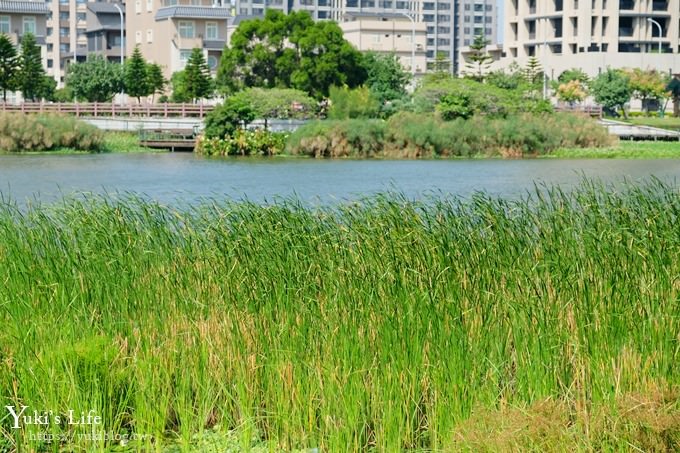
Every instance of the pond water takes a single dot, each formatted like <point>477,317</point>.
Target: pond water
<point>186,178</point>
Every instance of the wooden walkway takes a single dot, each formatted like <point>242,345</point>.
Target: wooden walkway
<point>174,140</point>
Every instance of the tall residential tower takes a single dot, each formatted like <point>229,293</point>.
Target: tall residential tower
<point>593,34</point>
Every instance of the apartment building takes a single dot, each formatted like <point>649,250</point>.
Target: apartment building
<point>449,24</point>
<point>593,34</point>
<point>390,34</point>
<point>104,32</point>
<point>166,31</point>
<point>20,17</point>
<point>65,35</point>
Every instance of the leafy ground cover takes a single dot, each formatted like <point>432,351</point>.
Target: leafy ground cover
<point>624,150</point>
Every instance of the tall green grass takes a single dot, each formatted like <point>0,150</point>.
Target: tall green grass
<point>549,323</point>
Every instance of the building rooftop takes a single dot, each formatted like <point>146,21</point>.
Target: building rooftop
<point>25,7</point>
<point>104,8</point>
<point>192,12</point>
<point>374,16</point>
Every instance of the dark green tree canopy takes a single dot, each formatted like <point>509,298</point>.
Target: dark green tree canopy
<point>289,51</point>
<point>135,76</point>
<point>154,78</point>
<point>386,77</point>
<point>95,80</point>
<point>197,81</point>
<point>9,66</point>
<point>31,75</point>
<point>612,89</point>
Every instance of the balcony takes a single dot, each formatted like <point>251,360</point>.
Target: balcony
<point>187,43</point>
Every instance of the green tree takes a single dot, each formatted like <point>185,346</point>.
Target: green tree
<point>31,74</point>
<point>479,60</point>
<point>386,77</point>
<point>95,80</point>
<point>673,88</point>
<point>511,78</point>
<point>48,88</point>
<point>135,76</point>
<point>278,102</point>
<point>9,66</point>
<point>179,87</point>
<point>226,118</point>
<point>573,74</point>
<point>154,79</point>
<point>647,85</point>
<point>289,51</point>
<point>197,81</point>
<point>612,90</point>
<point>352,103</point>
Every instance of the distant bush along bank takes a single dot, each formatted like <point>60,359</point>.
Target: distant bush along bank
<point>417,135</point>
<point>19,132</point>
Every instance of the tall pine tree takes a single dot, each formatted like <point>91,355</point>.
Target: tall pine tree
<point>135,77</point>
<point>479,60</point>
<point>9,66</point>
<point>197,80</point>
<point>32,74</point>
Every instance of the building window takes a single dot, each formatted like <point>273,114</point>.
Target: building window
<point>50,63</point>
<point>138,37</point>
<point>211,30</point>
<point>4,24</point>
<point>64,31</point>
<point>138,6</point>
<point>149,5</point>
<point>212,62</point>
<point>64,48</point>
<point>29,25</point>
<point>186,29</point>
<point>183,58</point>
<point>80,16</point>
<point>63,15</point>
<point>149,35</point>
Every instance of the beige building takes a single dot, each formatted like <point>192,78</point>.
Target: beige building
<point>388,33</point>
<point>65,35</point>
<point>20,17</point>
<point>166,31</point>
<point>593,34</point>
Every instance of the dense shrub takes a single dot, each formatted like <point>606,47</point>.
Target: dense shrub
<point>243,143</point>
<point>462,98</point>
<point>421,135</point>
<point>225,119</point>
<point>356,103</point>
<point>338,138</point>
<point>20,132</point>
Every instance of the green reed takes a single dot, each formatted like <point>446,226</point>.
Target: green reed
<point>385,324</point>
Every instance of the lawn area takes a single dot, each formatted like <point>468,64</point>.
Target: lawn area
<point>667,122</point>
<point>624,150</point>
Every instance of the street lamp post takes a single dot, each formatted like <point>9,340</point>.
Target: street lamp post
<point>122,35</point>
<point>649,19</point>
<point>413,43</point>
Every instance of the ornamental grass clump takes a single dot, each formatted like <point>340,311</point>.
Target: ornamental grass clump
<point>548,323</point>
<point>21,132</point>
<point>425,135</point>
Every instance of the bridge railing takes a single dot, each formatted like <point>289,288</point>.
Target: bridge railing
<point>592,110</point>
<point>98,109</point>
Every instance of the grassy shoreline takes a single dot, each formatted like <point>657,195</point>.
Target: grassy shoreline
<point>549,324</point>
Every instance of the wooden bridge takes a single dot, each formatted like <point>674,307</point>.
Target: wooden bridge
<point>97,109</point>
